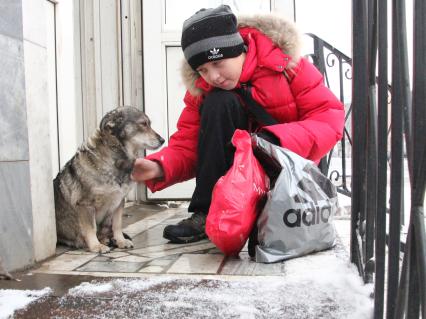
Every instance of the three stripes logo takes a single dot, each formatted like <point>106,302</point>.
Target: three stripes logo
<point>314,213</point>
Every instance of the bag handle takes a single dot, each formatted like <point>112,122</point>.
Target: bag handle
<point>254,108</point>
<point>270,165</point>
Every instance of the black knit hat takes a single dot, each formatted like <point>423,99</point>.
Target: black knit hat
<point>210,35</point>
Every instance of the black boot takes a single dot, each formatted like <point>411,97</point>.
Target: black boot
<point>189,230</point>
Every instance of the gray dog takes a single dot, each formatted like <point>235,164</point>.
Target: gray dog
<point>91,187</point>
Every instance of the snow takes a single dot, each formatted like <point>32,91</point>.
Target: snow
<point>320,285</point>
<point>316,286</point>
<point>334,277</point>
<point>12,300</point>
<point>90,289</point>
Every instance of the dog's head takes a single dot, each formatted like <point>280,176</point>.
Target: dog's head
<point>132,128</point>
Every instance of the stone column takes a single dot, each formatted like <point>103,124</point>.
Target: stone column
<point>27,224</point>
<point>16,231</point>
<point>37,105</point>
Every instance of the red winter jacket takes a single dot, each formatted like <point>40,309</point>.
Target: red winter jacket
<point>311,117</point>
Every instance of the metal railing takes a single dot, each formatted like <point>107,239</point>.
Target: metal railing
<point>405,293</point>
<point>371,156</point>
<point>330,60</point>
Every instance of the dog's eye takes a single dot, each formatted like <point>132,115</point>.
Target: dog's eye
<point>143,124</point>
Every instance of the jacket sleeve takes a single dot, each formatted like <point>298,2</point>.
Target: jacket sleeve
<point>178,159</point>
<point>321,115</point>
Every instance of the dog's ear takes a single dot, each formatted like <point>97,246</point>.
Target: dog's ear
<point>104,121</point>
<point>112,122</point>
<point>107,122</point>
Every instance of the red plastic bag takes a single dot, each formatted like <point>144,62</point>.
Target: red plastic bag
<point>236,198</point>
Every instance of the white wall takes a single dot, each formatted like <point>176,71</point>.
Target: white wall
<point>331,20</point>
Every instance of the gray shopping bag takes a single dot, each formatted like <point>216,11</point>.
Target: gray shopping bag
<point>298,215</point>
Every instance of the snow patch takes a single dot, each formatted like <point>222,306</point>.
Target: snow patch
<point>339,280</point>
<point>90,288</point>
<point>310,288</point>
<point>123,285</point>
<point>12,300</point>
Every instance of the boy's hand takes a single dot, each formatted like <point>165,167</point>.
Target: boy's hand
<point>144,170</point>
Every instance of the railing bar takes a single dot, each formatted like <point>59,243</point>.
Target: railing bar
<point>405,82</point>
<point>419,178</point>
<point>348,136</point>
<point>329,160</point>
<point>348,113</point>
<point>319,54</point>
<point>401,244</point>
<point>360,256</point>
<point>341,91</point>
<point>344,181</point>
<point>371,176</point>
<point>419,103</point>
<point>418,162</point>
<point>404,283</point>
<point>371,165</point>
<point>413,300</point>
<point>396,208</point>
<point>359,100</point>
<point>372,35</point>
<point>404,88</point>
<point>332,48</point>
<point>382,146</point>
<point>420,238</point>
<point>326,78</point>
<point>343,140</point>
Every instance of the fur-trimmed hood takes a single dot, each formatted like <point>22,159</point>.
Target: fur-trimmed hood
<point>281,31</point>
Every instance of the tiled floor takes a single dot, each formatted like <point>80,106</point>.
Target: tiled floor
<point>153,254</point>
<point>193,280</point>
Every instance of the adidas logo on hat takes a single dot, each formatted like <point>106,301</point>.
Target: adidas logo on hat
<point>215,54</point>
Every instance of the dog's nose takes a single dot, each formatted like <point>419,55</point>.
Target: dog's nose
<point>161,140</point>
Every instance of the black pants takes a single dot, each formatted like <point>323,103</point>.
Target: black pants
<point>221,114</point>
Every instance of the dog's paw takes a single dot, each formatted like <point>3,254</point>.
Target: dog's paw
<point>105,241</point>
<point>126,243</point>
<point>100,249</point>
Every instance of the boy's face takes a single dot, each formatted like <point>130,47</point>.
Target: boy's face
<point>223,74</point>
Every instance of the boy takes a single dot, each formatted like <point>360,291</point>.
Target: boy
<point>220,56</point>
